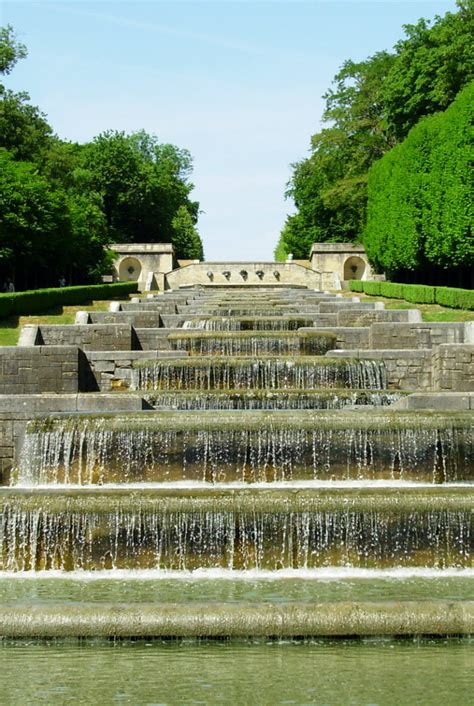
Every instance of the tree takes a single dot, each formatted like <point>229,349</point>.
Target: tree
<point>329,188</point>
<point>186,240</point>
<point>142,184</point>
<point>433,63</point>
<point>11,50</point>
<point>420,198</point>
<point>369,109</point>
<point>62,204</point>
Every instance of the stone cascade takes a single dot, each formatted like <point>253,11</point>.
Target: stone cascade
<point>239,435</point>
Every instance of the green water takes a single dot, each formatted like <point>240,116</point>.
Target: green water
<point>241,673</point>
<point>126,589</point>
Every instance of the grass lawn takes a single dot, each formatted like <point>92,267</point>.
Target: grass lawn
<point>429,312</point>
<point>11,326</point>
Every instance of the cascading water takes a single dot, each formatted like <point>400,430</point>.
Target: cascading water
<point>282,446</point>
<point>264,373</point>
<point>276,399</point>
<point>250,464</point>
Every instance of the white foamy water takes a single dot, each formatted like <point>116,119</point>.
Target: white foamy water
<point>329,573</point>
<point>271,485</point>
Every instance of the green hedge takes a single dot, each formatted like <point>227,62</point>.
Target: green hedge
<point>417,293</point>
<point>391,290</point>
<point>455,298</point>
<point>34,301</point>
<point>372,288</point>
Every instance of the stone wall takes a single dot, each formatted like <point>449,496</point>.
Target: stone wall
<point>39,369</point>
<point>406,369</point>
<point>416,335</point>
<point>350,337</point>
<point>112,370</point>
<point>99,337</point>
<point>16,411</point>
<point>453,367</point>
<point>139,318</point>
<point>275,274</point>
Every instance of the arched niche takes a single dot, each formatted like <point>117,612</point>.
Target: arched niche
<point>354,267</point>
<point>130,269</point>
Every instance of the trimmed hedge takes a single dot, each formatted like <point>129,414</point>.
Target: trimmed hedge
<point>34,301</point>
<point>391,290</point>
<point>372,288</point>
<point>455,298</point>
<point>417,293</point>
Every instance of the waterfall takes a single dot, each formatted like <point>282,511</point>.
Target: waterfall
<point>39,539</point>
<point>265,373</point>
<point>318,447</point>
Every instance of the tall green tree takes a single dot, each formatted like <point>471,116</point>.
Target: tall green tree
<point>433,62</point>
<point>420,198</point>
<point>369,109</point>
<point>186,240</point>
<point>142,184</point>
<point>329,188</point>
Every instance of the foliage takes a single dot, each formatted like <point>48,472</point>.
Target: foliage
<point>62,204</point>
<point>37,219</point>
<point>186,240</point>
<point>370,107</point>
<point>455,298</point>
<point>295,238</point>
<point>10,49</point>
<point>433,63</point>
<point>31,302</point>
<point>391,290</point>
<point>417,293</point>
<point>141,182</point>
<point>329,187</point>
<point>419,209</point>
<point>372,288</point>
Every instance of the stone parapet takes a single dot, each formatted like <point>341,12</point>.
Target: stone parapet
<point>453,367</point>
<point>112,370</point>
<point>16,411</point>
<point>85,336</point>
<point>349,337</point>
<point>140,318</point>
<point>415,335</point>
<point>443,401</point>
<point>37,369</point>
<point>406,369</point>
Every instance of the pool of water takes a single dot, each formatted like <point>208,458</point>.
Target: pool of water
<point>321,585</point>
<point>325,673</point>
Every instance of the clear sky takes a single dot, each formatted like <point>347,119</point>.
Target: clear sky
<point>239,84</point>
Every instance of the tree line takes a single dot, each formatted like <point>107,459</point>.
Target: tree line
<point>63,203</point>
<point>370,109</point>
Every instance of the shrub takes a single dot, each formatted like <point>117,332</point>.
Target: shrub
<point>372,288</point>
<point>455,298</point>
<point>419,293</point>
<point>391,290</point>
<point>34,301</point>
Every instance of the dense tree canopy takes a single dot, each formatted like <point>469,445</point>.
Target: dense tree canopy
<point>420,196</point>
<point>62,204</point>
<point>369,109</point>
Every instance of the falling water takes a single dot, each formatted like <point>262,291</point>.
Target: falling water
<point>146,539</point>
<point>176,446</point>
<point>264,373</point>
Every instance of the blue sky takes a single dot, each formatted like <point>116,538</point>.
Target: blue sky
<point>239,84</point>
